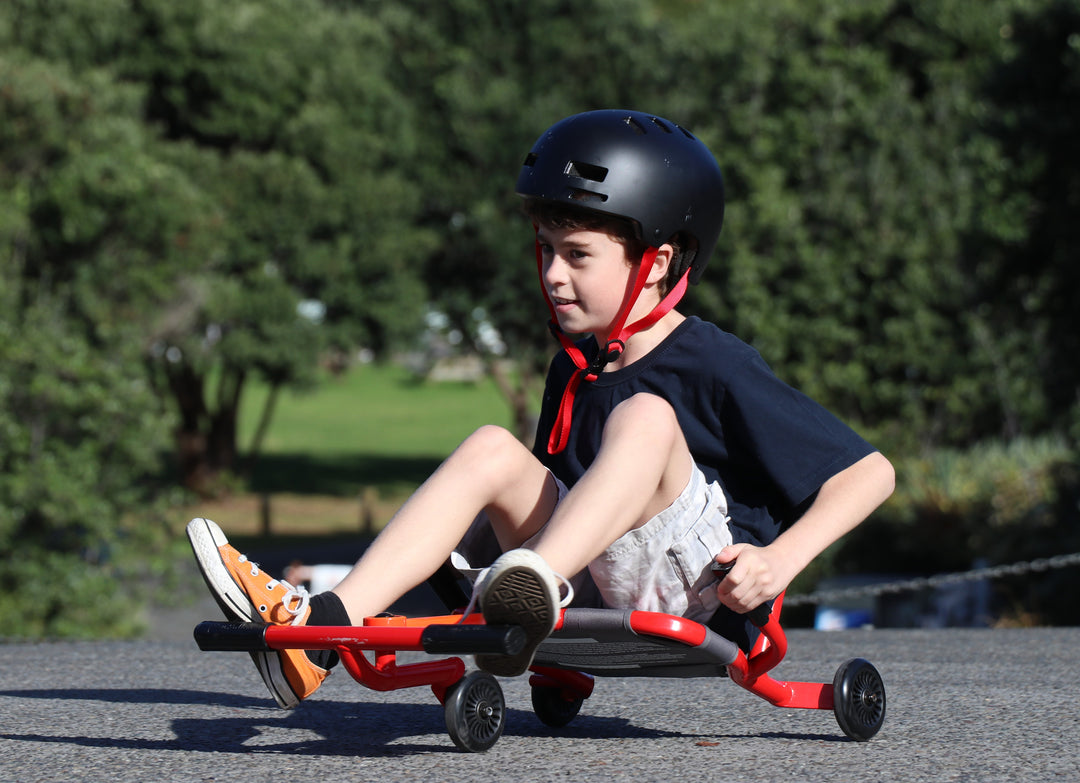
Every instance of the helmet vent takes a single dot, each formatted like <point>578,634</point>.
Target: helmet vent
<point>659,123</point>
<point>530,159</point>
<point>577,194</point>
<point>589,171</point>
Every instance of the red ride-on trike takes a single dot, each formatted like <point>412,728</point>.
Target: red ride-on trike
<point>585,643</point>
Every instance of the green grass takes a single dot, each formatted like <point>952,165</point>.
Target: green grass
<point>374,426</point>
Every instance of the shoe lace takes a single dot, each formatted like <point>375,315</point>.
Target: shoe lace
<point>296,598</point>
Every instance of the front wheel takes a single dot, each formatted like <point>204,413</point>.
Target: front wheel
<point>859,699</point>
<point>475,712</point>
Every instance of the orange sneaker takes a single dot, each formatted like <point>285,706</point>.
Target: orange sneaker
<point>245,593</point>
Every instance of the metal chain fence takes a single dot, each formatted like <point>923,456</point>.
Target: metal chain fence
<point>938,580</point>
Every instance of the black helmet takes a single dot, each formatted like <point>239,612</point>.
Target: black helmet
<point>637,166</point>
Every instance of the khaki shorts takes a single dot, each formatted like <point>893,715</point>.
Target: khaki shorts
<point>662,566</point>
<point>665,565</point>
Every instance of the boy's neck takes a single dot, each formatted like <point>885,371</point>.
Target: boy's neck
<point>639,344</point>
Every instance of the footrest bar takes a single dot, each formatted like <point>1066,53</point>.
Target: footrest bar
<point>473,639</point>
<point>223,636</point>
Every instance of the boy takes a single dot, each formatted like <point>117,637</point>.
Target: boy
<point>663,445</point>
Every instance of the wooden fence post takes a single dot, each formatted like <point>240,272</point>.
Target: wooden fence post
<point>264,514</point>
<point>369,499</point>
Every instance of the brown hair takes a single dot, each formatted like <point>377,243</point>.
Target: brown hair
<point>622,230</point>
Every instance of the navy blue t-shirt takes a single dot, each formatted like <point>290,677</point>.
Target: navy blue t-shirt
<point>769,446</point>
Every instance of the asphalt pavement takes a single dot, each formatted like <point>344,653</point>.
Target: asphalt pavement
<point>963,705</point>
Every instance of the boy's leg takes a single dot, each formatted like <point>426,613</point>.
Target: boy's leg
<point>642,467</point>
<point>491,470</point>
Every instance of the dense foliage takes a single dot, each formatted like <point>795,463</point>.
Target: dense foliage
<point>194,195</point>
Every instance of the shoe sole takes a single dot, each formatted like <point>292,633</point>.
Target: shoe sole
<point>517,597</point>
<point>205,538</point>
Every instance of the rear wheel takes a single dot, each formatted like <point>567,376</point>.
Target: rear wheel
<point>552,707</point>
<point>475,712</point>
<point>859,699</point>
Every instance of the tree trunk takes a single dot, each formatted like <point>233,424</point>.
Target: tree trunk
<point>260,431</point>
<point>205,439</point>
<point>517,394</point>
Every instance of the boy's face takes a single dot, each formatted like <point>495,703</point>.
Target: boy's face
<point>587,276</point>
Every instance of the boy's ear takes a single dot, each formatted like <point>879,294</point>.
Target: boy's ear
<point>665,256</point>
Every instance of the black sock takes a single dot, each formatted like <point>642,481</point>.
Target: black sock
<point>326,609</point>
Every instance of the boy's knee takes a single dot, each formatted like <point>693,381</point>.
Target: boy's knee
<point>493,445</point>
<point>492,459</point>
<point>493,435</point>
<point>490,437</point>
<point>644,415</point>
<point>644,405</point>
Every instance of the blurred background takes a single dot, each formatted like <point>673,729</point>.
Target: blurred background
<point>262,261</point>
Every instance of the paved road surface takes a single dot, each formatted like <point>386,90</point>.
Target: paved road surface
<point>963,705</point>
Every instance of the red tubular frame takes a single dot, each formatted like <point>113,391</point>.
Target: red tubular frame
<point>667,626</point>
<point>750,671</point>
<point>747,671</point>
<point>573,685</point>
<point>384,637</point>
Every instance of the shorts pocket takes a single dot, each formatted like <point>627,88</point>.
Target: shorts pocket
<point>692,557</point>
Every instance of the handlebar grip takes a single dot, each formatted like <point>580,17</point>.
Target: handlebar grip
<point>759,615</point>
<point>722,568</point>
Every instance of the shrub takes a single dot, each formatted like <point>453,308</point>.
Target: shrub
<point>994,503</point>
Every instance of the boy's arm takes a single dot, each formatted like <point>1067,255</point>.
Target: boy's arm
<point>843,501</point>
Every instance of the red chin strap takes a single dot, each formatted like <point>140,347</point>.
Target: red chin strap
<point>613,346</point>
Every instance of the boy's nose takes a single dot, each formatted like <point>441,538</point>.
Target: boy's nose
<point>555,270</point>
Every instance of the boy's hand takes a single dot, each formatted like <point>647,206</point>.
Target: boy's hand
<point>762,573</point>
<point>757,577</point>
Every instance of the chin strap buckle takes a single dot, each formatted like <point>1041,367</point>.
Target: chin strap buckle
<point>609,353</point>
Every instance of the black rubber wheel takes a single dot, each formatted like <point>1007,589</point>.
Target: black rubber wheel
<point>859,699</point>
<point>475,712</point>
<point>552,707</point>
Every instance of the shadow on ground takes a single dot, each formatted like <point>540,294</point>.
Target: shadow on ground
<point>316,728</point>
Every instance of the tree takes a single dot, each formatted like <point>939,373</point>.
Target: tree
<point>92,223</point>
<point>1023,256</point>
<point>845,133</point>
<point>848,135</point>
<point>124,248</point>
<point>299,151</point>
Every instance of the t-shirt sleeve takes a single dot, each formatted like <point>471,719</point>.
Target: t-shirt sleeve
<point>794,441</point>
